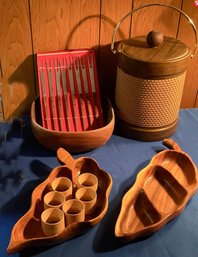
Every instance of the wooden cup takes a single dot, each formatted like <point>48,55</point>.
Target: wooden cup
<point>63,185</point>
<point>88,196</point>
<point>74,211</point>
<point>53,199</point>
<point>52,221</point>
<point>88,180</point>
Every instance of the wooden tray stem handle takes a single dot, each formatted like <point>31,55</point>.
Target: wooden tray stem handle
<point>65,158</point>
<point>171,144</point>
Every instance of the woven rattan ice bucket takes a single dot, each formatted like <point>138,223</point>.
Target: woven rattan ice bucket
<point>149,84</point>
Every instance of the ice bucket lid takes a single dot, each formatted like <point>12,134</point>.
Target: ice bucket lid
<point>168,59</point>
<point>140,59</point>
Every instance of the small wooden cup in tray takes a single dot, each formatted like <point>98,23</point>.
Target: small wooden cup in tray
<point>160,193</point>
<point>27,232</point>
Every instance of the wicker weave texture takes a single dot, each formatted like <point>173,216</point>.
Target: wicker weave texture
<point>148,103</point>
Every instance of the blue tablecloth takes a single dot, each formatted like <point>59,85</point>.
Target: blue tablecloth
<point>24,164</point>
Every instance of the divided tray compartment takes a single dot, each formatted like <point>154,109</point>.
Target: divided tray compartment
<point>69,90</point>
<point>27,232</point>
<point>160,193</point>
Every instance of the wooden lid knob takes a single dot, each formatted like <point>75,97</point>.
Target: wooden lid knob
<point>154,38</point>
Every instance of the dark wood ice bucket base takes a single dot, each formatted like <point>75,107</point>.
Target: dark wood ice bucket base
<point>144,134</point>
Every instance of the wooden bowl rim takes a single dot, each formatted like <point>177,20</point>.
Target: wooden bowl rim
<point>110,121</point>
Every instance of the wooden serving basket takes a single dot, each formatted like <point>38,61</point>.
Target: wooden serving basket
<point>73,141</point>
<point>160,193</point>
<point>27,232</point>
<point>69,112</point>
<point>150,78</point>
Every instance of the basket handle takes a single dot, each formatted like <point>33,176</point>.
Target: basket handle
<point>147,5</point>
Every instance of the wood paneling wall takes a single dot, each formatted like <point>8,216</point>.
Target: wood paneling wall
<point>17,69</point>
<point>28,27</point>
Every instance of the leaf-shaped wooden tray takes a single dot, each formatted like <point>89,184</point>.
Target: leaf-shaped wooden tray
<point>28,232</point>
<point>161,192</point>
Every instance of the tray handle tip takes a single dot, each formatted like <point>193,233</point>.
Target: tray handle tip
<point>171,144</point>
<point>65,157</point>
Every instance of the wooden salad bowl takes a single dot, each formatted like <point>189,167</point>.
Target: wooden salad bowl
<point>27,232</point>
<point>160,193</point>
<point>77,141</point>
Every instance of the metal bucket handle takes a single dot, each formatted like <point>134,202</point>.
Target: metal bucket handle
<point>163,5</point>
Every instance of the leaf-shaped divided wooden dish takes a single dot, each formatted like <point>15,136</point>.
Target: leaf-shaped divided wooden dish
<point>160,193</point>
<point>28,232</point>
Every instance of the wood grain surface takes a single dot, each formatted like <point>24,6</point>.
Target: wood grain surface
<point>186,34</point>
<point>110,16</point>
<point>155,18</point>
<point>27,232</point>
<point>196,100</point>
<point>60,25</point>
<point>16,57</point>
<point>74,142</point>
<point>32,26</point>
<point>159,194</point>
